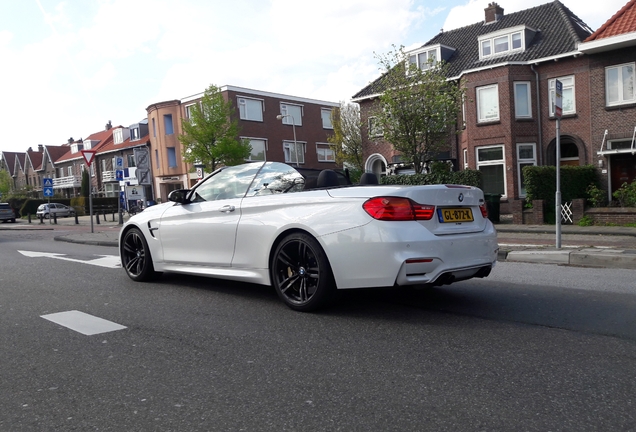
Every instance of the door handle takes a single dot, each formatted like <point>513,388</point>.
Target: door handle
<point>227,209</point>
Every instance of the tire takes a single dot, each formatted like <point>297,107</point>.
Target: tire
<point>301,273</point>
<point>135,257</point>
<point>46,215</point>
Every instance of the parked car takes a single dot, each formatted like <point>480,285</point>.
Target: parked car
<point>6,213</point>
<point>57,209</point>
<point>264,223</point>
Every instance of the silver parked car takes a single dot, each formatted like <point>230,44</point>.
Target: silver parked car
<point>57,209</point>
<point>6,213</point>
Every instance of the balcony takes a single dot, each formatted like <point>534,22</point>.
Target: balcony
<point>109,176</point>
<point>67,182</point>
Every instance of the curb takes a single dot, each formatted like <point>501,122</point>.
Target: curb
<point>589,257</point>
<point>108,243</point>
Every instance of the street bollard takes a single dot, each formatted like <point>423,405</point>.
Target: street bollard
<point>41,218</point>
<point>113,217</point>
<point>76,220</point>
<point>29,217</point>
<point>97,218</point>
<point>54,218</point>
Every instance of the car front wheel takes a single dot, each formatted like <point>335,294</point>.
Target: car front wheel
<point>301,273</point>
<point>136,258</point>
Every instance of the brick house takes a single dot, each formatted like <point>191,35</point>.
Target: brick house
<point>508,65</point>
<point>612,53</point>
<point>305,127</point>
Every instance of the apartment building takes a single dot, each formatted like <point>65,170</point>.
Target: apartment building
<point>298,137</point>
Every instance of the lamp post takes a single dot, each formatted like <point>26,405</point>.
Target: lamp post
<point>280,117</point>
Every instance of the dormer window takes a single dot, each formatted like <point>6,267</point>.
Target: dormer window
<point>134,133</point>
<point>504,42</point>
<point>118,136</point>
<point>428,57</point>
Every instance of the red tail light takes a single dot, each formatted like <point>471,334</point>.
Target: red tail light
<point>397,209</point>
<point>484,210</point>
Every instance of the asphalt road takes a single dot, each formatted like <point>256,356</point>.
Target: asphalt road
<point>532,347</point>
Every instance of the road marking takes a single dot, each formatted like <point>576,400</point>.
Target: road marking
<point>108,261</point>
<point>83,323</point>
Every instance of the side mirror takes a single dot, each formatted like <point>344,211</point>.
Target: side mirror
<point>179,196</point>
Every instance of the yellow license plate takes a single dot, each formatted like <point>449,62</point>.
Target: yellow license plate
<point>455,215</point>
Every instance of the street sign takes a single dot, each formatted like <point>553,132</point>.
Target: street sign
<point>558,98</point>
<point>119,175</point>
<point>47,188</point>
<point>89,155</point>
<point>199,173</point>
<point>143,176</point>
<point>119,162</point>
<point>142,160</point>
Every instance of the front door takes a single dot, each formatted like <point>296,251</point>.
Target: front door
<point>623,170</point>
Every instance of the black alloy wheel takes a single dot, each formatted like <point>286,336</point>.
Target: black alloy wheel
<point>301,273</point>
<point>135,256</point>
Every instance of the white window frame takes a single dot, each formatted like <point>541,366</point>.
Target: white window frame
<point>621,85</point>
<point>70,171</point>
<point>188,111</point>
<point>481,118</point>
<point>244,112</point>
<point>325,115</point>
<point>509,35</point>
<point>528,105</point>
<point>300,151</point>
<point>252,140</point>
<point>324,151</point>
<point>501,162</point>
<point>524,161</point>
<point>285,107</point>
<point>422,56</point>
<point>568,84</point>
<point>465,153</point>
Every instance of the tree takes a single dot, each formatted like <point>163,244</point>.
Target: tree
<point>211,135</point>
<point>417,111</point>
<point>346,140</point>
<point>5,183</point>
<point>86,184</point>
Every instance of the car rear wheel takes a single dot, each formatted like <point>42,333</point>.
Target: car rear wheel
<point>136,258</point>
<point>301,273</point>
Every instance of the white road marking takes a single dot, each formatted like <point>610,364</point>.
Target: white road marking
<point>108,261</point>
<point>83,323</point>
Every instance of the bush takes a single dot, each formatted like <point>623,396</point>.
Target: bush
<point>465,177</point>
<point>595,196</point>
<point>626,195</point>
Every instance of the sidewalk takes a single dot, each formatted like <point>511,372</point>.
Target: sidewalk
<point>513,241</point>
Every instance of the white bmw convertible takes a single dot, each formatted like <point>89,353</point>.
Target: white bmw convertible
<point>308,234</point>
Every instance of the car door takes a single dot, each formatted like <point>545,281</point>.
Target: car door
<point>202,232</point>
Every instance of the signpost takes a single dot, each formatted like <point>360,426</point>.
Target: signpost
<point>89,155</point>
<point>47,190</point>
<point>558,102</point>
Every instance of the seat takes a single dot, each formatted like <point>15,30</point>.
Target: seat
<point>368,178</point>
<point>327,178</point>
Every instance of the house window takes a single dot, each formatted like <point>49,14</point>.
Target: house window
<point>154,128</point>
<point>70,171</point>
<point>294,155</point>
<point>295,111</point>
<point>501,43</point>
<point>568,104</point>
<point>258,149</point>
<point>131,160</point>
<point>92,167</point>
<point>325,153</point>
<point>465,158</point>
<point>157,158</point>
<point>491,162</point>
<point>526,156</point>
<point>424,59</point>
<point>61,172</point>
<point>188,111</point>
<point>325,113</point>
<point>167,124</point>
<point>487,103</point>
<point>250,109</point>
<point>118,136</point>
<point>104,166</point>
<point>523,104</point>
<point>375,130</point>
<point>619,84</point>
<point>172,157</point>
<point>134,134</point>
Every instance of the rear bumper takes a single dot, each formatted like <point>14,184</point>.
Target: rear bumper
<point>385,254</point>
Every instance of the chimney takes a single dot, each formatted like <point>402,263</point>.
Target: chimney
<point>109,125</point>
<point>494,12</point>
<point>70,140</point>
<point>40,148</point>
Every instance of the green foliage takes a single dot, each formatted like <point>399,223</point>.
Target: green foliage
<point>465,177</point>
<point>626,195</point>
<point>540,182</point>
<point>417,111</point>
<point>211,134</point>
<point>346,141</point>
<point>586,221</point>
<point>86,184</point>
<point>595,196</point>
<point>5,184</point>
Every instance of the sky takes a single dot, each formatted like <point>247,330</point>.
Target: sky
<point>69,67</point>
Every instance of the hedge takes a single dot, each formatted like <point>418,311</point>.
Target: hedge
<point>465,177</point>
